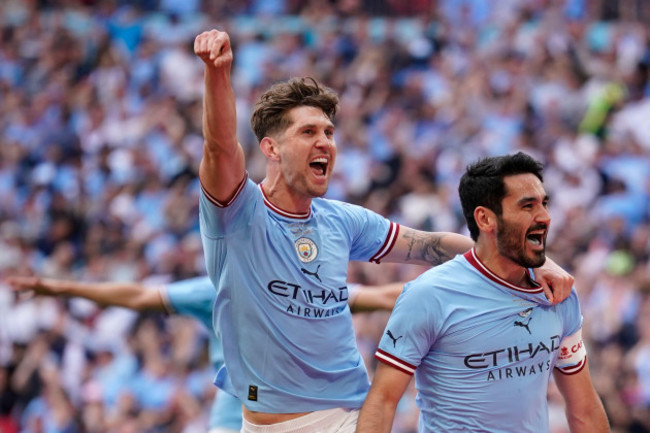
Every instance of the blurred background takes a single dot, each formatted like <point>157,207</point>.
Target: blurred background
<point>100,137</point>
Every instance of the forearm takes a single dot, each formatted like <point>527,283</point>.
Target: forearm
<point>428,248</point>
<point>584,409</point>
<point>376,416</point>
<point>373,298</point>
<point>128,295</point>
<point>378,410</point>
<point>593,420</point>
<point>219,114</point>
<point>454,244</point>
<point>589,425</point>
<point>22,374</point>
<point>61,410</point>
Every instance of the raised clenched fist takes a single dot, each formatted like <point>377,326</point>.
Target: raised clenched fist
<point>213,47</point>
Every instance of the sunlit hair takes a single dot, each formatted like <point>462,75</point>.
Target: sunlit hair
<point>270,115</point>
<point>483,184</point>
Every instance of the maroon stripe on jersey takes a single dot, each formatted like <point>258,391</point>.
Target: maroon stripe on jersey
<point>389,243</point>
<point>395,362</point>
<point>575,369</point>
<point>473,260</point>
<point>219,203</point>
<point>283,212</point>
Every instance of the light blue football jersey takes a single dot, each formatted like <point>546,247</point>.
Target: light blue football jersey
<point>281,310</point>
<point>195,297</point>
<point>482,349</point>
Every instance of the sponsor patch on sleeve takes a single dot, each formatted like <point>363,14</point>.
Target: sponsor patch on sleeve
<point>573,355</point>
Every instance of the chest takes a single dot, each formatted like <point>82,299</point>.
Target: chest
<point>314,248</point>
<point>300,267</point>
<point>505,335</point>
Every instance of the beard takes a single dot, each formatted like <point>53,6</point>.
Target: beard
<point>511,243</point>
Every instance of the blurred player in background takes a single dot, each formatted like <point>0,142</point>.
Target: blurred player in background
<point>194,297</point>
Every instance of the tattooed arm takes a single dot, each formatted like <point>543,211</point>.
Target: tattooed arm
<point>427,248</point>
<point>433,248</point>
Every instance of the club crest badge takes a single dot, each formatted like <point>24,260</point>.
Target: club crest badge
<point>525,313</point>
<point>307,250</point>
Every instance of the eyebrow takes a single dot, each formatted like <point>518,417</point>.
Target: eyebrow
<point>529,199</point>
<point>328,125</point>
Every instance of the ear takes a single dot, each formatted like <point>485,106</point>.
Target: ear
<point>486,220</point>
<point>269,148</point>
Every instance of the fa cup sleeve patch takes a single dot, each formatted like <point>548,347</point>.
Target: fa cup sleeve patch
<point>573,355</point>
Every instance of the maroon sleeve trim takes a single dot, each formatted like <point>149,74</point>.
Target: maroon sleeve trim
<point>389,243</point>
<point>219,203</point>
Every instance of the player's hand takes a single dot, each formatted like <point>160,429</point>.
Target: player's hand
<point>556,282</point>
<point>213,47</point>
<point>26,287</point>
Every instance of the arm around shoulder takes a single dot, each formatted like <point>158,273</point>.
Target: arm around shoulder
<point>427,248</point>
<point>556,282</point>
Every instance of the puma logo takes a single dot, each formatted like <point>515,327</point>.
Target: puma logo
<point>313,274</point>
<point>390,334</point>
<point>521,324</point>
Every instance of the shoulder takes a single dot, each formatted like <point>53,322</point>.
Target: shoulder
<point>342,211</point>
<point>456,267</point>
<point>571,303</point>
<point>442,278</point>
<point>337,205</point>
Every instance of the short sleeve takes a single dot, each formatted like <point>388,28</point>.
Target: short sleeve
<point>411,329</point>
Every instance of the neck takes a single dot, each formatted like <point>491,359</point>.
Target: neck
<point>502,266</point>
<point>283,198</point>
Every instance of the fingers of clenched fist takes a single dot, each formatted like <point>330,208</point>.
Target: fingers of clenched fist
<point>213,47</point>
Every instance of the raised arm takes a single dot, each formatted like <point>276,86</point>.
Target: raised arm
<point>372,298</point>
<point>223,166</point>
<point>584,409</point>
<point>129,295</point>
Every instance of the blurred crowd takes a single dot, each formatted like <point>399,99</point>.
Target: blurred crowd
<point>100,137</point>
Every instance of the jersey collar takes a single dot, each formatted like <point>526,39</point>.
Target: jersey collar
<point>283,212</point>
<point>473,260</point>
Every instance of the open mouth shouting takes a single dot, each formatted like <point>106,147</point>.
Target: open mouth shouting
<point>536,237</point>
<point>319,166</point>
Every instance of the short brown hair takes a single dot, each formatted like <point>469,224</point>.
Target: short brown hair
<point>270,117</point>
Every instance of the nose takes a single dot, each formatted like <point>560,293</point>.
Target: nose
<point>325,140</point>
<point>543,216</point>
